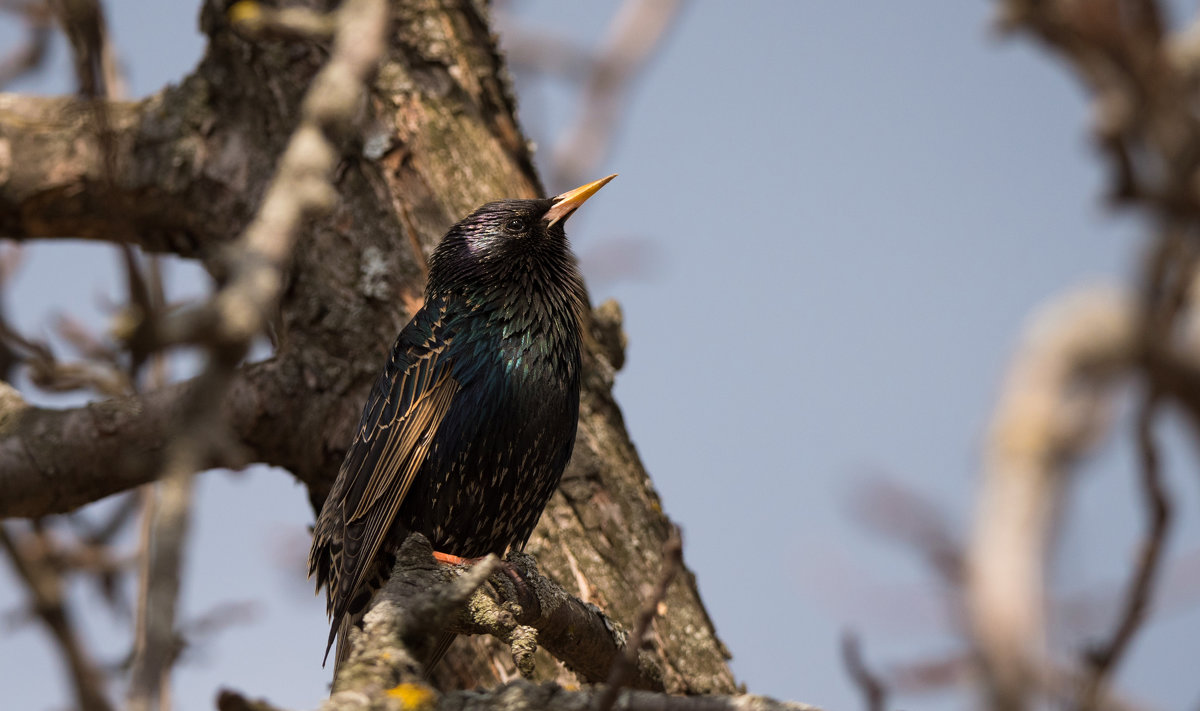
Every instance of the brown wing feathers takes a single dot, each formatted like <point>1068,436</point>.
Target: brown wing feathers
<point>397,429</point>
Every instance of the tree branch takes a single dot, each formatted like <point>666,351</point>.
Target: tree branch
<point>424,598</point>
<point>167,519</point>
<point>1052,409</point>
<point>522,695</point>
<point>1103,660</point>
<point>172,189</point>
<point>52,461</point>
<point>579,634</point>
<point>872,688</point>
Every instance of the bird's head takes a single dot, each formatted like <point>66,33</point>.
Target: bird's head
<point>506,237</point>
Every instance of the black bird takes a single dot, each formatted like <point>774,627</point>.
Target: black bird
<point>469,427</point>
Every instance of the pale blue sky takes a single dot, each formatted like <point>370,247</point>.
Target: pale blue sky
<point>850,209</point>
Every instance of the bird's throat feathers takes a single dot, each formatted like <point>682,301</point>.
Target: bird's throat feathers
<point>533,301</point>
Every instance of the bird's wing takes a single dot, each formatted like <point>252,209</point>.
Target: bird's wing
<point>398,424</point>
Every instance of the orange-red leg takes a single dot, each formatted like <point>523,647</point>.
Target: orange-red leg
<point>451,559</point>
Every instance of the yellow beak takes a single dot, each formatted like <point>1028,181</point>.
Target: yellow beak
<point>569,201</point>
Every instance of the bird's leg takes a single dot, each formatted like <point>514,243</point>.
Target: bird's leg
<point>451,559</point>
<point>510,570</point>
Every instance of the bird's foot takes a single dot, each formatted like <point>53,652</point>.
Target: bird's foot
<point>507,568</point>
<point>512,572</point>
<point>517,579</point>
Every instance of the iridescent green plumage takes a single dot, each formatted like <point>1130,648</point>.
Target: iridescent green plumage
<point>470,425</point>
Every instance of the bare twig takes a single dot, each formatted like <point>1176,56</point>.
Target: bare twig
<point>32,53</point>
<point>869,684</point>
<point>637,31</point>
<point>114,522</point>
<point>1143,85</point>
<point>136,326</point>
<point>544,53</point>
<point>82,21</point>
<point>96,70</point>
<point>626,664</point>
<point>901,514</point>
<point>229,700</point>
<point>33,560</point>
<point>99,559</point>
<point>46,371</point>
<point>166,526</point>
<point>1101,661</point>
<point>607,74</point>
<point>10,260</point>
<point>165,514</point>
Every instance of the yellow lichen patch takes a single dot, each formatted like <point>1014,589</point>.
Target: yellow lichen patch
<point>413,697</point>
<point>244,11</point>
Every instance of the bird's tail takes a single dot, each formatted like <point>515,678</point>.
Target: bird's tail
<point>342,632</point>
<point>439,651</point>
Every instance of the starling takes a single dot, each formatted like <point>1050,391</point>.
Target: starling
<point>469,427</point>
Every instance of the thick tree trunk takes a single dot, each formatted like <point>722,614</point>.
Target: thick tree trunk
<point>438,138</point>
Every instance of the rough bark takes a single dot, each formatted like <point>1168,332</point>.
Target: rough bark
<point>438,137</point>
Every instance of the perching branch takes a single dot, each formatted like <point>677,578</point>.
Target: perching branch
<point>422,599</point>
<point>579,634</point>
<point>419,602</point>
<point>519,606</point>
<point>523,695</point>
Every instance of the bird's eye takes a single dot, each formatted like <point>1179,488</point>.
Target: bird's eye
<point>516,224</point>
